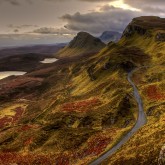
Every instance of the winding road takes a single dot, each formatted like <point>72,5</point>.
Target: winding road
<point>142,120</point>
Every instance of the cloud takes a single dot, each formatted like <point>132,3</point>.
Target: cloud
<point>19,2</point>
<point>45,30</point>
<point>55,31</point>
<point>21,26</point>
<point>107,7</point>
<point>12,2</point>
<point>15,30</point>
<point>153,6</point>
<point>144,2</point>
<point>110,18</point>
<point>16,2</point>
<point>98,0</point>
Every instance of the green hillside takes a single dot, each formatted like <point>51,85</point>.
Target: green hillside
<point>73,111</point>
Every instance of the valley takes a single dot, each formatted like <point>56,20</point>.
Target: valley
<point>97,104</point>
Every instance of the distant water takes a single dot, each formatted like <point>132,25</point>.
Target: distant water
<point>10,73</point>
<point>49,60</point>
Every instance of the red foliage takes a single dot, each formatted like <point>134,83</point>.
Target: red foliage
<point>94,148</point>
<point>19,112</point>
<point>62,160</point>
<point>11,158</point>
<point>154,93</point>
<point>28,141</point>
<point>33,159</point>
<point>20,82</point>
<point>26,127</point>
<point>5,121</point>
<point>97,145</point>
<point>81,106</point>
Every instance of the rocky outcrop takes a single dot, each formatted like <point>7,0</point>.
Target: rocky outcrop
<point>90,72</point>
<point>144,26</point>
<point>160,37</point>
<point>132,29</point>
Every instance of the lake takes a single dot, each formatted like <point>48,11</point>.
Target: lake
<point>49,60</point>
<point>5,74</point>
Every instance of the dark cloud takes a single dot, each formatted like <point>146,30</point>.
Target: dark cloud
<point>98,0</point>
<point>21,26</point>
<point>16,2</point>
<point>50,30</point>
<point>12,2</point>
<point>19,2</point>
<point>96,22</point>
<point>45,30</point>
<point>15,30</point>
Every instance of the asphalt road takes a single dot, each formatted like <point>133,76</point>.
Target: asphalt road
<point>142,120</point>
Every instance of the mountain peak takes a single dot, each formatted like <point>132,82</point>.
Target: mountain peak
<point>83,40</point>
<point>83,43</point>
<point>144,25</point>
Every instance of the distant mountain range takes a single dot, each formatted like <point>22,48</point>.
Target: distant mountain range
<point>36,49</point>
<point>108,36</point>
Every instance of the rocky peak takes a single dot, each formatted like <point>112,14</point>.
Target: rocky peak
<point>84,39</point>
<point>144,26</point>
<point>83,43</point>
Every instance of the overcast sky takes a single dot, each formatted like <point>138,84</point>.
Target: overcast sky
<point>50,21</point>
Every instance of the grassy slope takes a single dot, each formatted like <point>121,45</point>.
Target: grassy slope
<point>84,107</point>
<point>145,146</point>
<point>73,111</point>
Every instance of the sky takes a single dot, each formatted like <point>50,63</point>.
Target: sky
<point>26,22</point>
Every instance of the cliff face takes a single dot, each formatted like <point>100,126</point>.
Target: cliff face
<point>148,26</point>
<point>132,29</point>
